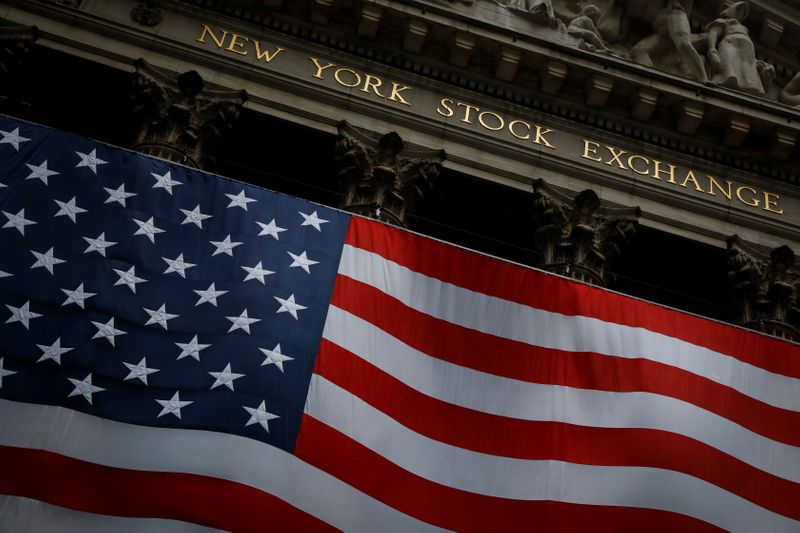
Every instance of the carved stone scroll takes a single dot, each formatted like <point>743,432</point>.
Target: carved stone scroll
<point>766,288</point>
<point>578,236</point>
<point>180,117</point>
<point>380,177</point>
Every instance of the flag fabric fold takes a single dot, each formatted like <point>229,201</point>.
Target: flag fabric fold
<point>179,351</point>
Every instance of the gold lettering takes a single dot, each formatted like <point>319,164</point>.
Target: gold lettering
<point>768,202</point>
<point>235,44</point>
<point>396,96</point>
<point>266,55</point>
<point>320,68</point>
<point>754,202</point>
<point>206,30</point>
<point>593,151</point>
<point>372,82</point>
<point>691,177</point>
<point>712,182</point>
<point>657,170</point>
<point>615,159</point>
<point>467,109</point>
<point>633,158</point>
<point>518,136</point>
<point>356,77</point>
<point>445,103</point>
<point>496,116</point>
<point>539,139</point>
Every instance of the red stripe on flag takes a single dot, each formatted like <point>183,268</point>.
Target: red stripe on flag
<point>522,439</point>
<point>534,288</point>
<point>329,450</point>
<point>467,347</point>
<point>99,489</point>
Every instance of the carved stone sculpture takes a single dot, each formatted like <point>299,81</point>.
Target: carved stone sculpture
<point>578,237</point>
<point>179,116</point>
<point>671,31</point>
<point>146,14</point>
<point>15,43</point>
<point>541,11</point>
<point>584,27</point>
<point>380,177</point>
<point>790,95</point>
<point>731,54</point>
<point>766,288</point>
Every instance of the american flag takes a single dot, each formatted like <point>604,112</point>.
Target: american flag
<point>183,352</point>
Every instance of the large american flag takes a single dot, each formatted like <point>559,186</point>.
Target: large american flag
<point>181,352</point>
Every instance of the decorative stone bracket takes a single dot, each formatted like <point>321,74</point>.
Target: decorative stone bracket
<point>765,287</point>
<point>380,176</point>
<point>578,236</point>
<point>180,116</point>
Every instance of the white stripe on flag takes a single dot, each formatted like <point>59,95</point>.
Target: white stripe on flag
<point>505,477</point>
<point>499,395</point>
<point>230,457</point>
<point>537,327</point>
<point>24,515</point>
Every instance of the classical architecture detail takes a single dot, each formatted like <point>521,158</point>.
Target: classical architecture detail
<point>584,28</point>
<point>731,53</point>
<point>146,14</point>
<point>766,288</point>
<point>578,236</point>
<point>179,115</point>
<point>15,43</point>
<point>379,176</point>
<point>790,95</point>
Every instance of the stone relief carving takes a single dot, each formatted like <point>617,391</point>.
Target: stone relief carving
<point>584,27</point>
<point>731,53</point>
<point>577,237</point>
<point>790,95</point>
<point>380,177</point>
<point>766,288</point>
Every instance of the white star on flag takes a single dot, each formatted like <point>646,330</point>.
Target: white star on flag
<point>242,322</point>
<point>98,245</point>
<point>46,260</point>
<point>177,265</point>
<point>259,416</point>
<point>209,295</point>
<point>165,182</point>
<point>191,348</point>
<point>4,274</point>
<point>40,172</point>
<point>275,357</point>
<point>22,314</point>
<point>159,316</point>
<point>289,306</point>
<point>129,278</point>
<point>226,377</point>
<point>257,272</point>
<point>107,331</point>
<point>89,160</point>
<point>270,229</point>
<point>54,351</point>
<point>313,220</point>
<point>172,406</point>
<point>77,297</point>
<point>118,195</point>
<point>224,246</point>
<point>239,200</point>
<point>84,387</point>
<point>4,372</point>
<point>17,221</point>
<point>139,370</point>
<point>302,261</point>
<point>13,138</point>
<point>194,217</point>
<point>147,229</point>
<point>68,209</point>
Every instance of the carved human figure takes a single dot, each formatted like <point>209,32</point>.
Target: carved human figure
<point>731,54</point>
<point>540,10</point>
<point>790,95</point>
<point>584,27</point>
<point>671,29</point>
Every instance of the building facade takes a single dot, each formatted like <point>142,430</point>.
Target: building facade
<point>646,146</point>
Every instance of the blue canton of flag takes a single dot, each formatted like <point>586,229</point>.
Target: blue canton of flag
<point>145,292</point>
